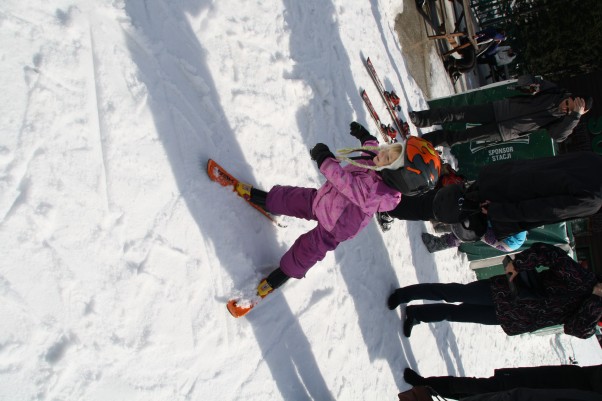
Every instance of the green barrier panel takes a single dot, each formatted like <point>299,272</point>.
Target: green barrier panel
<point>473,155</point>
<point>489,271</point>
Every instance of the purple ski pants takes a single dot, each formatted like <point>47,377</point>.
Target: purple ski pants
<point>309,248</point>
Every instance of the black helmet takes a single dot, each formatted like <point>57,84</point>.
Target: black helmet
<point>447,204</point>
<point>420,171</point>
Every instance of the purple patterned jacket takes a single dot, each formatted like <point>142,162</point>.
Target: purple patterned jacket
<point>569,299</point>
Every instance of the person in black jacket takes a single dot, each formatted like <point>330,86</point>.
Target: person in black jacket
<point>518,195</point>
<point>587,378</point>
<point>544,106</point>
<point>536,394</point>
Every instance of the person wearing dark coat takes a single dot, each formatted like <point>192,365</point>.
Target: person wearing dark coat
<point>545,106</point>
<point>530,394</point>
<point>586,378</point>
<point>518,195</point>
<point>572,297</point>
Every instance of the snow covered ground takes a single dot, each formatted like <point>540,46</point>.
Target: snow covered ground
<point>119,254</point>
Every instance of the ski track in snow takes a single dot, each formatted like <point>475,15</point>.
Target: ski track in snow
<point>119,253</point>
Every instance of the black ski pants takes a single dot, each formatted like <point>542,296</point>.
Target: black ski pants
<point>586,378</point>
<point>478,114</point>
<point>476,302</point>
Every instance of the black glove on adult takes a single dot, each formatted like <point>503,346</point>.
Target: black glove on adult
<point>319,153</point>
<point>357,130</point>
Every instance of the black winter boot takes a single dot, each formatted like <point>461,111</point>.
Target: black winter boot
<point>458,387</point>
<point>413,378</point>
<point>384,221</point>
<point>258,197</point>
<point>409,322</point>
<point>277,278</point>
<point>398,297</point>
<point>421,118</point>
<point>434,243</point>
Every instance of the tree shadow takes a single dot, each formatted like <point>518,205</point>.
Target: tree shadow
<point>193,126</point>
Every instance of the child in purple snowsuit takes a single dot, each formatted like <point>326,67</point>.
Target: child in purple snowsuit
<point>342,207</point>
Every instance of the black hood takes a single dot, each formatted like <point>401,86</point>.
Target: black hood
<point>447,204</point>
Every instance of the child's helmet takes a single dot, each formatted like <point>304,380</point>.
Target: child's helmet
<point>420,171</point>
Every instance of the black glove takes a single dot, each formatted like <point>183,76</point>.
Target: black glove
<point>357,130</point>
<point>319,153</point>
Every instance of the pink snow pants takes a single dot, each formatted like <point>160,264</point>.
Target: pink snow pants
<point>309,248</point>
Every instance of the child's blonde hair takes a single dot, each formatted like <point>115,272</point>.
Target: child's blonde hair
<point>393,147</point>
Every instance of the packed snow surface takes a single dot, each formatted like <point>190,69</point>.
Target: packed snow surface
<point>118,252</point>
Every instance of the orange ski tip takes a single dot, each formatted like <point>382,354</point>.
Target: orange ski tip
<point>219,175</point>
<point>236,310</point>
<point>211,168</point>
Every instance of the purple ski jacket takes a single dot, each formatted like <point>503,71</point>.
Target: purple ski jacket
<point>345,204</point>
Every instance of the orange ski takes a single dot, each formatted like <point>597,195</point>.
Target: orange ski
<point>263,290</point>
<point>237,310</point>
<point>218,174</point>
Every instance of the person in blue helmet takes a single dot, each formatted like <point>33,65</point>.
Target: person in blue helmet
<point>460,234</point>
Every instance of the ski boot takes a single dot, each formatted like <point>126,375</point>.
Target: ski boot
<point>244,190</point>
<point>253,195</point>
<point>405,128</point>
<point>385,221</point>
<point>393,100</point>
<point>391,132</point>
<point>271,282</point>
<point>434,243</point>
<point>421,118</point>
<point>264,288</point>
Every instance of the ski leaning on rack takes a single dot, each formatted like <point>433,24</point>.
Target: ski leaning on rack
<point>388,133</point>
<point>218,174</point>
<point>390,99</point>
